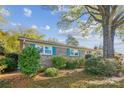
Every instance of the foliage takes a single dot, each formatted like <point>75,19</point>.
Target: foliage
<point>14,56</point>
<point>42,69</point>
<point>3,66</point>
<point>8,64</point>
<point>51,72</point>
<point>66,62</point>
<point>53,40</point>
<point>112,67</point>
<point>87,56</point>
<point>72,41</point>
<point>107,67</point>
<point>11,64</point>
<point>72,64</point>
<point>59,62</point>
<point>2,50</point>
<point>104,17</point>
<point>29,61</point>
<point>81,62</point>
<point>11,61</point>
<point>10,40</point>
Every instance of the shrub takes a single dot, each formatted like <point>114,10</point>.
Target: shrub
<point>3,66</point>
<point>8,64</point>
<point>11,64</point>
<point>42,69</point>
<point>93,66</point>
<point>111,67</point>
<point>12,61</point>
<point>14,56</point>
<point>29,61</point>
<point>97,66</point>
<point>72,63</point>
<point>87,56</point>
<point>59,62</point>
<point>2,50</point>
<point>51,72</point>
<point>81,62</point>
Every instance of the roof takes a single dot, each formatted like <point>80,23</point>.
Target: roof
<point>51,43</point>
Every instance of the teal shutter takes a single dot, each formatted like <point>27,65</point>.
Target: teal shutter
<point>33,45</point>
<point>79,53</point>
<point>68,52</point>
<point>54,50</point>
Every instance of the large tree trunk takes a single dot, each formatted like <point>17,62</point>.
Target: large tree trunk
<point>108,44</point>
<point>108,39</point>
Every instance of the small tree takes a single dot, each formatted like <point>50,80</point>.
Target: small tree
<point>71,41</point>
<point>29,61</point>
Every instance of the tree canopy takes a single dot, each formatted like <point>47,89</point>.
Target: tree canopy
<point>10,41</point>
<point>108,19</point>
<point>72,41</point>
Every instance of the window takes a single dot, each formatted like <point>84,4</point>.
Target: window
<point>45,50</point>
<point>74,52</point>
<point>88,52</point>
<point>48,50</point>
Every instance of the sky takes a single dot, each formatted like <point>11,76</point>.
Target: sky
<point>45,21</point>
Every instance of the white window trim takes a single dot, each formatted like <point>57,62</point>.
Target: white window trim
<point>44,53</point>
<point>74,50</point>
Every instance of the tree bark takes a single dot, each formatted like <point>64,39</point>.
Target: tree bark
<point>108,38</point>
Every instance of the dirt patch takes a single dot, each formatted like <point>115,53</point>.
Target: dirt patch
<point>20,82</point>
<point>11,75</point>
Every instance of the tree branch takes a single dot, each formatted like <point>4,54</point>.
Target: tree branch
<point>93,8</point>
<point>113,8</point>
<point>118,20</point>
<point>118,17</point>
<point>101,9</point>
<point>98,20</point>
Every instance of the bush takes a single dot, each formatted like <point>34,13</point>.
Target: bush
<point>81,62</point>
<point>42,69</point>
<point>112,67</point>
<point>11,64</point>
<point>14,56</point>
<point>2,50</point>
<point>97,66</point>
<point>72,63</point>
<point>51,72</point>
<point>29,61</point>
<point>59,62</point>
<point>87,56</point>
<point>3,66</point>
<point>11,61</point>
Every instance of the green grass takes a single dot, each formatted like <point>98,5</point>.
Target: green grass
<point>76,80</point>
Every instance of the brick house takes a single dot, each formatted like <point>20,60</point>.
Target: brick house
<point>49,49</point>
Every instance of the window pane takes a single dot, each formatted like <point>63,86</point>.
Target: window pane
<point>41,49</point>
<point>48,51</point>
<point>46,48</point>
<point>76,53</point>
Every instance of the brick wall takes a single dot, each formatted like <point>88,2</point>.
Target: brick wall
<point>46,59</point>
<point>61,51</point>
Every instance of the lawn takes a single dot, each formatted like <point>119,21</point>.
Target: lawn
<point>74,80</point>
